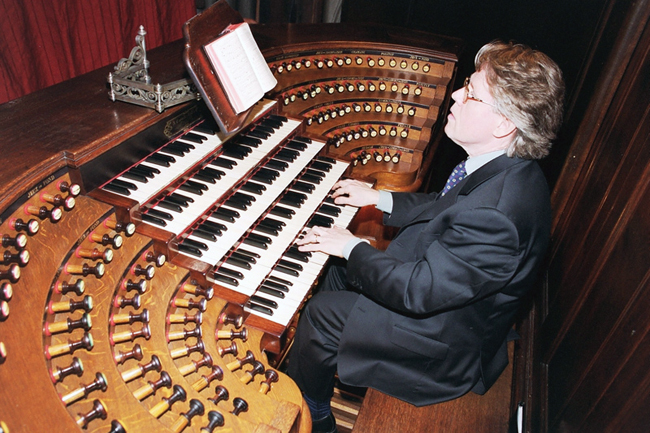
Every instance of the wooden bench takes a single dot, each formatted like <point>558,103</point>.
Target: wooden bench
<point>487,413</point>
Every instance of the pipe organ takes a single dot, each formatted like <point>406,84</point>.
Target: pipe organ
<point>379,105</point>
<point>148,279</point>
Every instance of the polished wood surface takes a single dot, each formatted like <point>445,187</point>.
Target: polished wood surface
<point>74,122</point>
<point>591,321</point>
<point>489,413</point>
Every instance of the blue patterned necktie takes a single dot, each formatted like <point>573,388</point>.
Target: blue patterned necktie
<point>456,176</point>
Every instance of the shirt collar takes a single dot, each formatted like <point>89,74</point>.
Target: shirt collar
<point>475,162</point>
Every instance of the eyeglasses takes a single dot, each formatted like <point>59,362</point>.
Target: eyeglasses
<point>467,96</point>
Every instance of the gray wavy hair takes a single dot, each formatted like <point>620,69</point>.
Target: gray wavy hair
<point>528,89</point>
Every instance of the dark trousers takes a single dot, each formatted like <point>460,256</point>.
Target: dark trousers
<point>313,357</point>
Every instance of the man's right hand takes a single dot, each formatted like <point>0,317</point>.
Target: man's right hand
<point>354,193</point>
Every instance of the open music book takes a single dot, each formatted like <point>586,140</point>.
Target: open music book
<point>240,66</point>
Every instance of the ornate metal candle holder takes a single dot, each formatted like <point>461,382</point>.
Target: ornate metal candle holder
<point>131,82</point>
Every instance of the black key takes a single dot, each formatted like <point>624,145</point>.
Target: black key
<point>190,250</point>
<point>282,212</point>
<point>214,225</point>
<point>124,184</point>
<point>230,272</point>
<point>146,170</point>
<point>273,174</point>
<point>277,165</point>
<point>259,238</point>
<point>248,253</point>
<point>245,198</point>
<point>227,213</point>
<point>296,196</point>
<point>264,301</point>
<point>297,255</point>
<point>268,230</point>
<point>117,189</point>
<point>198,185</point>
<point>160,214</point>
<point>204,234</point>
<point>183,145</point>
<point>274,286</point>
<point>259,308</point>
<point>238,263</point>
<point>217,174</point>
<point>244,257</point>
<point>303,139</point>
<point>287,155</point>
<point>161,159</point>
<point>329,210</point>
<point>310,178</point>
<point>223,163</point>
<point>288,201</point>
<point>271,292</point>
<point>322,166</point>
<point>236,204</point>
<point>174,150</point>
<point>277,118</point>
<point>326,159</point>
<point>292,265</point>
<point>278,283</point>
<point>200,175</point>
<point>189,187</point>
<point>262,178</point>
<point>303,186</point>
<point>258,133</point>
<point>271,223</point>
<point>194,138</point>
<point>242,148</point>
<point>225,279</point>
<point>249,141</point>
<point>286,270</point>
<point>153,219</point>
<point>180,198</point>
<point>164,203</point>
<point>234,154</point>
<point>278,223</point>
<point>252,187</point>
<point>296,145</point>
<point>320,220</point>
<point>195,244</point>
<point>272,123</point>
<point>208,230</point>
<point>316,173</point>
<point>247,240</point>
<point>135,176</point>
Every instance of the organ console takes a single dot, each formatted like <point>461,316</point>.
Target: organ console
<point>149,278</point>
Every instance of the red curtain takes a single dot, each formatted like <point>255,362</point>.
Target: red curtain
<point>43,42</point>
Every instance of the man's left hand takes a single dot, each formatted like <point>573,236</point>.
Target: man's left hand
<point>331,241</point>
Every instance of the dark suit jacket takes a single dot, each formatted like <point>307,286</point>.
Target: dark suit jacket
<point>437,305</point>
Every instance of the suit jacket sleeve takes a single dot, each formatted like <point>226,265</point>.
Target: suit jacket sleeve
<point>404,204</point>
<point>474,256</point>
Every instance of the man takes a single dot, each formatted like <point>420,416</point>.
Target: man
<point>427,319</point>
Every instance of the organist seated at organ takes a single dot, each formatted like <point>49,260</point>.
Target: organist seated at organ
<point>427,319</point>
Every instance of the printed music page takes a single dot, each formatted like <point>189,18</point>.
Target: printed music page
<point>240,66</point>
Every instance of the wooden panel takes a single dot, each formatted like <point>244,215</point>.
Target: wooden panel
<point>74,120</point>
<point>595,329</point>
<point>487,413</point>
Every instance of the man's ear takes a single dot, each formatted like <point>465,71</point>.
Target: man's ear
<point>504,128</point>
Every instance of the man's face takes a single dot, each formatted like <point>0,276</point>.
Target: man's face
<point>472,122</point>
